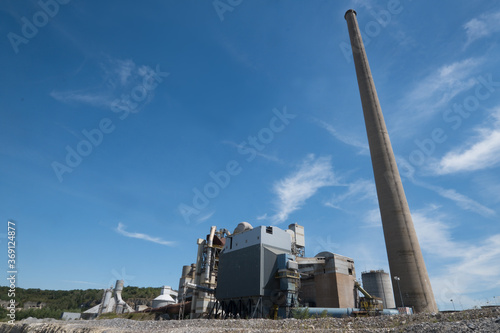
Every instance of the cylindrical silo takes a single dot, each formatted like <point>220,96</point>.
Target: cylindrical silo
<point>378,284</point>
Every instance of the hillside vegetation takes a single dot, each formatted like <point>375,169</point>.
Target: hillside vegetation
<point>58,301</point>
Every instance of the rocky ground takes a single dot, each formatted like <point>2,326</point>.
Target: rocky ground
<point>482,320</point>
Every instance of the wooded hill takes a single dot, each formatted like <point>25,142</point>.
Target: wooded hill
<point>58,301</point>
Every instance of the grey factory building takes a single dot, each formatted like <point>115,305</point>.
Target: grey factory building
<point>262,272</point>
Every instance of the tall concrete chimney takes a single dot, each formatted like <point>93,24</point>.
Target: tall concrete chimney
<point>403,251</point>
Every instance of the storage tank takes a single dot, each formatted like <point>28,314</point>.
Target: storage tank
<point>164,299</point>
<point>378,283</point>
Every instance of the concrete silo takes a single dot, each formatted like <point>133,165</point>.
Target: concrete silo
<point>378,283</point>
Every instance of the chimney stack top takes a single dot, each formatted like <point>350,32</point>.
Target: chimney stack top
<point>350,11</point>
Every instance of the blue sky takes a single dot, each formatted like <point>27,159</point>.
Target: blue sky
<point>129,129</point>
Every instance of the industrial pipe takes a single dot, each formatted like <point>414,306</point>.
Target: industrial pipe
<point>341,312</point>
<point>197,278</point>
<point>209,253</point>
<point>198,287</point>
<point>105,300</point>
<point>120,303</point>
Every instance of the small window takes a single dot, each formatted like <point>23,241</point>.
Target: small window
<point>350,271</point>
<point>269,230</point>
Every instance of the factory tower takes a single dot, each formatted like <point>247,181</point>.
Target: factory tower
<point>403,251</point>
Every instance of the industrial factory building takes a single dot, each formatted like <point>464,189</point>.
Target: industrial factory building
<point>262,272</point>
<point>257,268</point>
<point>329,284</point>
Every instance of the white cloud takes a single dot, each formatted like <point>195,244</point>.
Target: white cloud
<point>483,153</point>
<point>434,235</point>
<point>205,217</point>
<point>372,218</point>
<point>93,99</point>
<point>461,200</point>
<point>482,26</point>
<point>294,190</point>
<point>254,151</point>
<point>439,88</point>
<point>262,217</point>
<point>359,190</point>
<point>349,140</point>
<point>124,69</point>
<point>363,3</point>
<point>465,267</point>
<point>121,230</point>
<point>119,76</point>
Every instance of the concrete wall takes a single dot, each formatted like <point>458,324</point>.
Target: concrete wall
<point>332,285</point>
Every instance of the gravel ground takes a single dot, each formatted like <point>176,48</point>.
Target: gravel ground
<point>483,320</point>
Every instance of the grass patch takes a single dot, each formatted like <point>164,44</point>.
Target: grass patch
<point>109,315</point>
<point>301,314</point>
<point>130,315</point>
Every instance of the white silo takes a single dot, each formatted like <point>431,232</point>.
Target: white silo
<point>164,299</point>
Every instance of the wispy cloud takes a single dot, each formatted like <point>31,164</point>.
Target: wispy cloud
<point>349,140</point>
<point>439,88</point>
<point>121,230</point>
<point>468,264</point>
<point>363,3</point>
<point>205,217</point>
<point>123,69</point>
<point>461,200</point>
<point>92,99</point>
<point>481,26</point>
<point>118,77</point>
<point>434,234</point>
<point>294,190</point>
<point>372,218</point>
<point>483,153</point>
<point>262,217</point>
<point>255,151</point>
<point>358,190</point>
